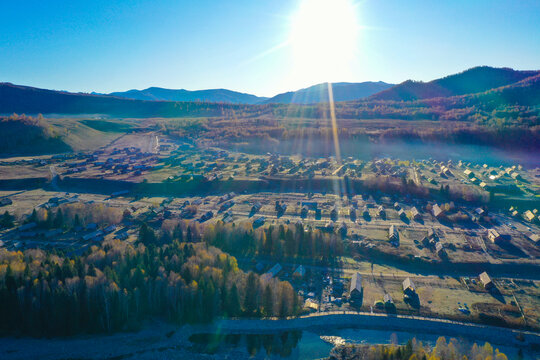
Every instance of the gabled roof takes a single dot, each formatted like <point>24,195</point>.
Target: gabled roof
<point>408,284</point>
<point>356,283</point>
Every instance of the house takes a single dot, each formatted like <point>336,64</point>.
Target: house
<point>312,205</point>
<point>393,235</point>
<point>468,173</point>
<point>109,229</point>
<point>273,271</point>
<point>255,208</point>
<point>439,249</point>
<point>408,287</point>
<point>259,222</point>
<point>355,289</point>
<point>381,212</point>
<point>402,214</point>
<point>479,211</point>
<point>415,214</point>
<point>93,235</point>
<point>486,280</point>
<point>334,214</point>
<point>388,299</point>
<point>299,272</point>
<point>437,211</point>
<point>396,206</point>
<point>494,236</point>
<point>528,215</point>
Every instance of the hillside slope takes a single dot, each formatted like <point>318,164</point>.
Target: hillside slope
<point>475,80</point>
<point>319,93</point>
<point>212,95</point>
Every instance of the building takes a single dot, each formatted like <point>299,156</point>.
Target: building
<point>299,272</point>
<point>415,214</point>
<point>259,222</point>
<point>408,287</point>
<point>486,280</point>
<point>273,271</point>
<point>494,236</point>
<point>255,208</point>
<point>393,235</point>
<point>402,214</point>
<point>355,289</point>
<point>528,215</point>
<point>437,211</point>
<point>439,249</point>
<point>334,214</point>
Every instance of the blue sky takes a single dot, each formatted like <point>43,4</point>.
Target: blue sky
<point>106,45</point>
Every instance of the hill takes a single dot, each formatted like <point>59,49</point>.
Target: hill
<point>213,95</point>
<point>475,80</point>
<point>23,135</point>
<point>319,93</point>
<point>30,100</point>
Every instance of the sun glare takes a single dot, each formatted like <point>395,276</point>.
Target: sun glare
<point>324,39</point>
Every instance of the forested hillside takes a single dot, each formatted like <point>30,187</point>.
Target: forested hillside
<point>118,285</point>
<point>475,80</point>
<point>20,135</point>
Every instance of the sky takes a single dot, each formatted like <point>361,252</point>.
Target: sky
<point>258,47</point>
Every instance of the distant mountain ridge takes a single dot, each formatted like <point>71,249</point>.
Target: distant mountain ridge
<point>471,81</point>
<point>342,91</point>
<point>211,95</point>
<point>513,88</point>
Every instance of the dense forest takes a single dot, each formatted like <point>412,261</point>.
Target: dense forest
<point>415,350</point>
<point>118,285</point>
<point>276,242</point>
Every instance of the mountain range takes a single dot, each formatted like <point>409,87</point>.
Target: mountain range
<point>342,91</point>
<point>212,95</point>
<point>483,83</point>
<point>311,95</point>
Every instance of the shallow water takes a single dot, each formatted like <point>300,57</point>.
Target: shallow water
<point>367,150</point>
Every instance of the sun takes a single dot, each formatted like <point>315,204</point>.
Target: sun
<point>324,35</point>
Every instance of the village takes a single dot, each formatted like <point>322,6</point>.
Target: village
<point>427,238</point>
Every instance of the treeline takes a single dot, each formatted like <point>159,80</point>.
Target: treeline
<point>415,350</point>
<point>117,286</point>
<point>20,134</point>
<point>276,242</point>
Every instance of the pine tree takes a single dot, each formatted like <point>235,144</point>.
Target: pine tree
<point>250,300</point>
<point>268,302</point>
